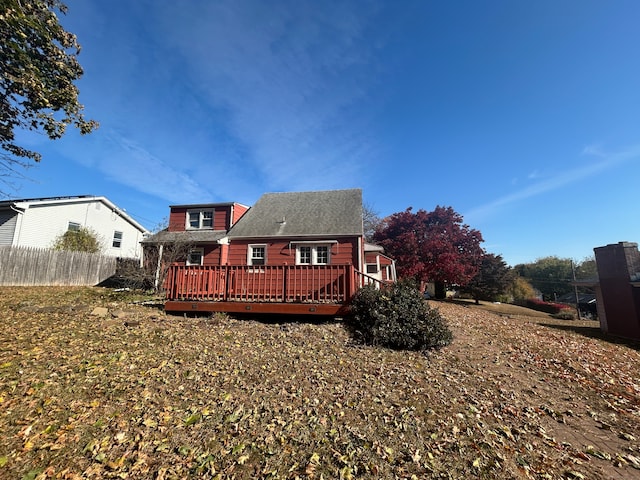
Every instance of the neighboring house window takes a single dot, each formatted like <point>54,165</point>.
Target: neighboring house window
<point>195,256</point>
<point>199,219</point>
<point>257,255</point>
<point>73,227</point>
<point>372,268</point>
<point>117,239</point>
<point>312,255</point>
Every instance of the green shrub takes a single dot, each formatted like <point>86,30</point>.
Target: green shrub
<point>82,240</point>
<point>397,317</point>
<point>565,314</point>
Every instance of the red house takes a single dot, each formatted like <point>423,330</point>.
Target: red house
<point>297,252</point>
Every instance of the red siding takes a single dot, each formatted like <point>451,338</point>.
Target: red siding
<point>211,255</point>
<point>221,218</point>
<point>178,217</point>
<point>238,211</point>
<point>283,252</point>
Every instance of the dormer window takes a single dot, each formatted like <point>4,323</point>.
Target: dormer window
<point>199,219</point>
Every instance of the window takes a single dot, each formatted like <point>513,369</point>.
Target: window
<point>257,255</point>
<point>195,256</point>
<point>117,239</point>
<point>207,219</point>
<point>304,255</point>
<point>73,227</point>
<point>312,255</point>
<point>199,219</point>
<point>322,255</point>
<point>372,268</point>
<point>193,219</point>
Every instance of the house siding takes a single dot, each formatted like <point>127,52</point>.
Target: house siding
<point>178,217</point>
<point>211,255</point>
<point>221,219</point>
<point>8,220</point>
<point>238,211</point>
<point>42,224</point>
<point>283,251</point>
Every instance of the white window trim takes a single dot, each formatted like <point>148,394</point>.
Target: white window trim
<point>372,265</point>
<point>250,252</point>
<point>200,219</point>
<point>314,252</point>
<point>200,250</point>
<point>74,226</point>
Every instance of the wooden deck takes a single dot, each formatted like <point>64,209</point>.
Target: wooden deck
<point>294,289</point>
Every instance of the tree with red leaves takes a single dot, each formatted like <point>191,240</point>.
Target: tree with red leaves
<point>432,246</point>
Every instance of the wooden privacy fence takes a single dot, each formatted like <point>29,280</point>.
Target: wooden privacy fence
<point>24,266</point>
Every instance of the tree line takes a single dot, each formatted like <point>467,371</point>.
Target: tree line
<point>438,247</point>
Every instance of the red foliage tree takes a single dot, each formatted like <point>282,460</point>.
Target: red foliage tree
<point>432,246</point>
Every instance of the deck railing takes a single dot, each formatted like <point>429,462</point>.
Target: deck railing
<point>267,283</point>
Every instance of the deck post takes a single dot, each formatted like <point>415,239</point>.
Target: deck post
<point>285,281</point>
<point>227,284</point>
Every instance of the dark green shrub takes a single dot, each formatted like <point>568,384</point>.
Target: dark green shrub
<point>397,317</point>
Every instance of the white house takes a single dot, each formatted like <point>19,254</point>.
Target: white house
<point>37,222</point>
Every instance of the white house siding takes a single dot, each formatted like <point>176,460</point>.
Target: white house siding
<point>42,223</point>
<point>7,226</point>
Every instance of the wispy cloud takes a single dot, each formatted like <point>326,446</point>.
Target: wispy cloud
<point>121,159</point>
<point>289,78</point>
<point>608,161</point>
<point>218,101</point>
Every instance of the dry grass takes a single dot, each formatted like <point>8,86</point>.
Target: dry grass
<point>83,396</point>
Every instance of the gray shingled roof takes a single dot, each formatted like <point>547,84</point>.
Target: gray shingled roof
<point>292,214</point>
<point>189,236</point>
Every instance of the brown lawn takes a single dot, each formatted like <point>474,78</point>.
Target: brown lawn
<point>137,394</point>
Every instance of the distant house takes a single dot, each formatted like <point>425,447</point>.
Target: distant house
<point>617,289</point>
<point>295,252</point>
<point>586,302</point>
<point>37,222</point>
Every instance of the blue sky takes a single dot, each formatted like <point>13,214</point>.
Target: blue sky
<point>522,116</point>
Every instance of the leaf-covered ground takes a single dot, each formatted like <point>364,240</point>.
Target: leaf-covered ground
<point>137,394</point>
